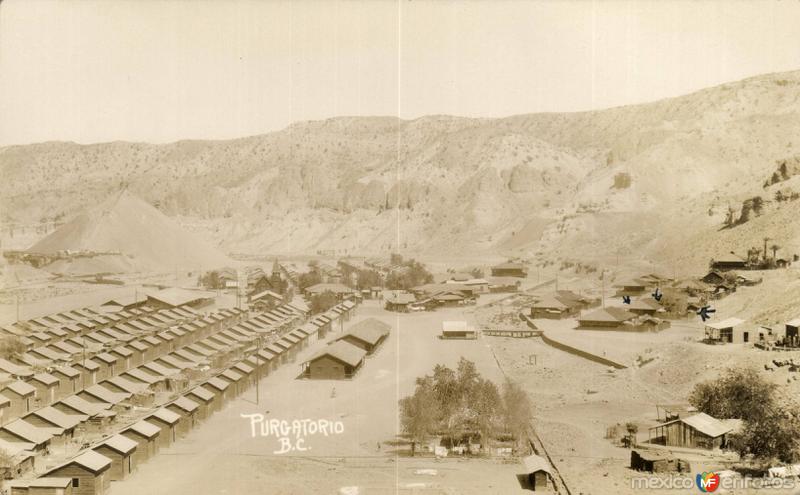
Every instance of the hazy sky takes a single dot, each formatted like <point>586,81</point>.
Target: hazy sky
<point>157,71</point>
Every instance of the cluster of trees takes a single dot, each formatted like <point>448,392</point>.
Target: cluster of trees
<point>361,278</point>
<point>416,274</point>
<point>211,280</point>
<point>309,278</point>
<point>11,347</point>
<point>787,195</point>
<point>771,430</point>
<point>322,302</point>
<point>578,266</point>
<point>754,205</point>
<point>780,175</point>
<point>461,405</point>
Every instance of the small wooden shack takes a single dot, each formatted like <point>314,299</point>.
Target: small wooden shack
<point>146,437</point>
<point>337,361</point>
<point>120,449</point>
<point>167,421</point>
<point>728,331</point>
<point>220,389</point>
<point>88,472</point>
<point>540,477</point>
<point>367,334</point>
<point>458,330</point>
<point>699,431</point>
<point>658,462</point>
<point>41,486</point>
<point>187,409</point>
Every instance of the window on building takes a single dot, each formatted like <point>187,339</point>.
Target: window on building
<point>76,482</point>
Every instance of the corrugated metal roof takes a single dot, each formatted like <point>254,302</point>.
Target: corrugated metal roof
<point>707,425</point>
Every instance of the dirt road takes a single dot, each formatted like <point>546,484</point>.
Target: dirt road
<point>223,457</point>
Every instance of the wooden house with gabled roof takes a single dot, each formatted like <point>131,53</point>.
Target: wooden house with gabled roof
<point>146,437</point>
<point>120,450</point>
<point>88,471</point>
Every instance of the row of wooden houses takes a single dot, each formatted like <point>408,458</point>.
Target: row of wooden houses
<point>128,367</point>
<point>345,355</point>
<point>166,424</point>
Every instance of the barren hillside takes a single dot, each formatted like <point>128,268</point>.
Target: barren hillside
<point>632,181</point>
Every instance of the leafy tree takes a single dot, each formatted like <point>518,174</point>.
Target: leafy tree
<point>476,273</point>
<point>486,408</point>
<point>323,302</point>
<point>770,431</point>
<point>739,393</point>
<point>744,216</point>
<point>419,413</point>
<point>517,411</point>
<point>774,436</point>
<point>212,280</point>
<point>445,386</point>
<point>753,255</point>
<point>6,461</point>
<point>11,347</point>
<point>783,171</point>
<point>758,204</point>
<point>416,274</point>
<point>730,217</point>
<point>632,429</point>
<point>308,279</point>
<point>466,403</point>
<point>368,278</point>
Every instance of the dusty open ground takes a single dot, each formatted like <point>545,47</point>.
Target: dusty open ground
<point>223,457</point>
<point>575,402</point>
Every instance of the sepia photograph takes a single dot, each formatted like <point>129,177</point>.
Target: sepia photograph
<point>399,247</point>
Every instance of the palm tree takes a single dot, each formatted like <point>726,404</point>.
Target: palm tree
<point>775,248</point>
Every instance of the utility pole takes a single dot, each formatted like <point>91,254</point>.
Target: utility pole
<point>258,366</point>
<point>84,362</point>
<point>603,286</point>
<point>17,296</point>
